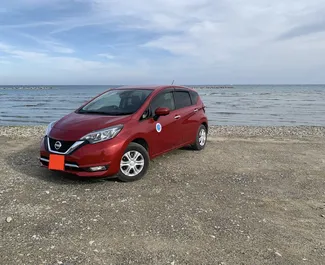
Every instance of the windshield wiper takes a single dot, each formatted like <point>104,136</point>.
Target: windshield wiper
<point>104,113</point>
<point>93,112</point>
<point>122,113</point>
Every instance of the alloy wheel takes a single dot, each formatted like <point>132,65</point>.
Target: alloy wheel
<point>202,137</point>
<point>132,163</point>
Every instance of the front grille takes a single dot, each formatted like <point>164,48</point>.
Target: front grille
<point>65,145</point>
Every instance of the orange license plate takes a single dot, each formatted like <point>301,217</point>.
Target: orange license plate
<point>56,162</point>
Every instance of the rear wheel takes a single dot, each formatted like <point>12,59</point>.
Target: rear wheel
<point>134,163</point>
<point>201,138</point>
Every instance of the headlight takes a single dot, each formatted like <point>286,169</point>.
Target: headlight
<point>49,128</point>
<point>102,135</point>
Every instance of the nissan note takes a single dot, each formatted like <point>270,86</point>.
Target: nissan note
<point>119,131</point>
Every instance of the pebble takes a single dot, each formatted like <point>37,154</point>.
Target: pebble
<point>9,219</point>
<point>268,131</point>
<point>226,131</point>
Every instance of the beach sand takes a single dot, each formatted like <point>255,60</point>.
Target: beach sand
<point>255,195</point>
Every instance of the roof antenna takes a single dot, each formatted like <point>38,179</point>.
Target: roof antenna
<point>173,82</point>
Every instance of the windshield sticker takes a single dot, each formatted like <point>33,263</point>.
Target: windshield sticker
<point>158,127</point>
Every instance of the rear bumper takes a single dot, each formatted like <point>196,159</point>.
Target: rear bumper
<point>105,154</point>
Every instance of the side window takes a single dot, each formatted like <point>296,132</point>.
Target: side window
<point>182,99</point>
<point>194,96</point>
<point>145,115</point>
<point>163,100</point>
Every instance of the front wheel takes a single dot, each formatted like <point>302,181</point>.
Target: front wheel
<point>134,163</point>
<point>201,138</point>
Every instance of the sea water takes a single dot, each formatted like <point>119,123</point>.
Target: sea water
<point>257,105</point>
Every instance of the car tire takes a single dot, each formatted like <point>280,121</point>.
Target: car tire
<point>201,138</point>
<point>137,154</point>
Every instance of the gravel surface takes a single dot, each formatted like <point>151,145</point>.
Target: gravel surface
<point>228,131</point>
<point>252,196</point>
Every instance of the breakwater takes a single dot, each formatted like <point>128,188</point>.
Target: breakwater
<point>212,87</point>
<point>25,87</point>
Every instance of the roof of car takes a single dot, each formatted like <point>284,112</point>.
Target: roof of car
<point>151,87</point>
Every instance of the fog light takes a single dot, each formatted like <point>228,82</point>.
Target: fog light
<point>98,168</point>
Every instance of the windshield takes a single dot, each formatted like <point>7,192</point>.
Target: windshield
<point>117,102</point>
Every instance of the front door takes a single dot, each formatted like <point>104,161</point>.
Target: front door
<point>163,133</point>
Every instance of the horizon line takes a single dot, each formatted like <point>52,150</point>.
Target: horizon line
<point>225,84</point>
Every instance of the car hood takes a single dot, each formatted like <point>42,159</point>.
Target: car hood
<point>74,126</point>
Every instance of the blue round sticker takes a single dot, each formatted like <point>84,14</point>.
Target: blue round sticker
<point>158,127</point>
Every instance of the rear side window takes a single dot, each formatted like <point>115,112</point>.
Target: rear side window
<point>194,96</point>
<point>182,99</point>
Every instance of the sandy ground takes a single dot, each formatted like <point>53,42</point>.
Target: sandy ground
<point>258,198</point>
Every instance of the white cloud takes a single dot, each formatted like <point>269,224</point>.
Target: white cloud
<point>21,54</point>
<point>221,31</point>
<point>107,56</point>
<point>50,44</point>
<point>4,60</point>
<point>215,40</point>
<point>57,47</point>
<point>72,70</point>
<point>67,63</point>
<point>18,4</point>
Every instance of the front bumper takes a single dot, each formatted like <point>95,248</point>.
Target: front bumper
<point>79,161</point>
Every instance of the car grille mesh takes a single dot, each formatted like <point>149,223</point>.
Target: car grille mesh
<point>65,145</point>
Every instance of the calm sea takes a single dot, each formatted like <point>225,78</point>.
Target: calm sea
<point>240,105</point>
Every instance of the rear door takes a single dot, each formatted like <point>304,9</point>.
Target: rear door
<point>185,111</point>
<point>163,134</point>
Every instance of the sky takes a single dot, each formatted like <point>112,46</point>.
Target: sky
<point>71,42</point>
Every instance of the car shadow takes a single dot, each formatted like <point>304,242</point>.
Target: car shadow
<point>186,148</point>
<point>26,161</point>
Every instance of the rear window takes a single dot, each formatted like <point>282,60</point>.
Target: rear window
<point>182,99</point>
<point>194,96</point>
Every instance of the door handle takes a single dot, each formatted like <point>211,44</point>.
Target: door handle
<point>177,117</point>
<point>196,110</point>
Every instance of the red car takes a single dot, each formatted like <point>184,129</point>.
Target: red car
<point>120,130</point>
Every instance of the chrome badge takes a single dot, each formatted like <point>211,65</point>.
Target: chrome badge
<point>57,145</point>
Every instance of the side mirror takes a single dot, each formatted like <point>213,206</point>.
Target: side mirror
<point>161,112</point>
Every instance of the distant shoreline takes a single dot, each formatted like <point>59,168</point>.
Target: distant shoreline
<point>52,87</point>
<point>26,87</point>
<point>211,87</point>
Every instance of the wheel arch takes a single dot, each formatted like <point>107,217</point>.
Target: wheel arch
<point>141,141</point>
<point>205,123</point>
